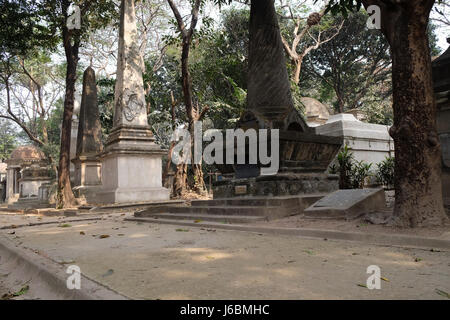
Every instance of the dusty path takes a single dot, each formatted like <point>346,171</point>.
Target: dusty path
<point>148,261</point>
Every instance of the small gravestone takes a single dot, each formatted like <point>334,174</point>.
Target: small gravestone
<point>348,204</point>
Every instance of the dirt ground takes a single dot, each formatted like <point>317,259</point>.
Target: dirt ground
<point>358,225</point>
<point>150,261</point>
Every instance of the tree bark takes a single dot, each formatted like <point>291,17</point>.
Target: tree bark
<point>193,114</point>
<point>418,186</point>
<point>65,197</point>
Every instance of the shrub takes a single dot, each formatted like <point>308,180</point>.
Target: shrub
<point>385,172</point>
<point>360,171</point>
<point>352,173</point>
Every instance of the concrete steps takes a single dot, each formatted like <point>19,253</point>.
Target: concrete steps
<point>212,210</point>
<point>196,218</point>
<point>233,210</point>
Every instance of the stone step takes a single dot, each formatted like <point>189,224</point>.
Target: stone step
<point>260,201</point>
<point>259,211</point>
<point>197,218</point>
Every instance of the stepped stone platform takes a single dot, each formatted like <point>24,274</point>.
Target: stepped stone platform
<point>348,204</point>
<point>232,210</point>
<point>29,203</point>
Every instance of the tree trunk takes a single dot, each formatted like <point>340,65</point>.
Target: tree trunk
<point>192,114</point>
<point>298,68</point>
<point>418,187</point>
<point>66,198</point>
<point>180,180</point>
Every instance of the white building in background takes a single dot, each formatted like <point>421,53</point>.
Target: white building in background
<point>368,142</point>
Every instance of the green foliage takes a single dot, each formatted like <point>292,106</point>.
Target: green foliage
<point>21,28</point>
<point>386,172</point>
<point>8,139</point>
<point>360,171</point>
<point>106,104</point>
<point>345,161</point>
<point>354,66</point>
<point>352,173</point>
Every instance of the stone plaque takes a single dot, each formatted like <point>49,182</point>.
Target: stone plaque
<point>238,190</point>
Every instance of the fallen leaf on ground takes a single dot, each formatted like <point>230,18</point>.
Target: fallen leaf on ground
<point>385,279</point>
<point>417,259</point>
<point>22,291</point>
<point>362,285</point>
<point>182,230</point>
<point>82,233</point>
<point>66,225</point>
<point>104,236</point>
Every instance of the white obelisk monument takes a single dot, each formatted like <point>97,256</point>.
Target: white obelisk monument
<point>132,161</point>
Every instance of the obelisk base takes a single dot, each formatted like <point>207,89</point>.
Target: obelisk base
<point>132,168</point>
<point>88,177</point>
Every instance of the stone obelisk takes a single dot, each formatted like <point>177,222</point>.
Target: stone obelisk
<point>132,161</point>
<point>89,141</point>
<point>269,98</point>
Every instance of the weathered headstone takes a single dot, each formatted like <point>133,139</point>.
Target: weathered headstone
<point>89,141</point>
<point>132,161</point>
<point>348,204</point>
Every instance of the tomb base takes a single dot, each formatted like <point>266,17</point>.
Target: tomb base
<point>282,184</point>
<point>131,168</point>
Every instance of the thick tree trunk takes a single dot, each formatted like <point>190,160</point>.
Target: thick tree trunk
<point>65,196</point>
<point>418,185</point>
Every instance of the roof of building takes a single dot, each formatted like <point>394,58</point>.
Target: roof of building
<point>27,153</point>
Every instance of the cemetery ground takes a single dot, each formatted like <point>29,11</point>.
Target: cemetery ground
<point>164,261</point>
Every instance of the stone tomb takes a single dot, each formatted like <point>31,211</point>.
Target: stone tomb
<point>304,156</point>
<point>27,171</point>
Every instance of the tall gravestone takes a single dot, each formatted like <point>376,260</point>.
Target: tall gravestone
<point>132,161</point>
<point>87,178</point>
<point>269,99</point>
<point>441,78</point>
